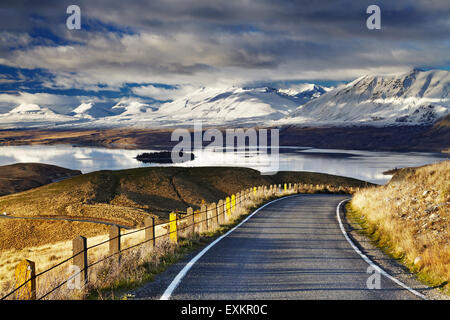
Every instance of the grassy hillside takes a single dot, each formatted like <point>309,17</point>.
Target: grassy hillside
<point>409,217</point>
<point>128,196</point>
<point>23,176</point>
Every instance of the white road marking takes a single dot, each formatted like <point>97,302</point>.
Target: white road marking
<point>370,262</point>
<point>176,281</point>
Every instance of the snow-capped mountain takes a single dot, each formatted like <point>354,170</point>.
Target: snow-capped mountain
<point>30,110</point>
<point>31,115</point>
<point>131,108</point>
<point>417,97</point>
<point>304,92</point>
<point>238,105</point>
<point>90,111</point>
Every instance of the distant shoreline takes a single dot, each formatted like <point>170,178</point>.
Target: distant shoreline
<point>396,139</point>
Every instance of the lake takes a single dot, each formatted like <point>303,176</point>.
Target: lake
<point>364,165</point>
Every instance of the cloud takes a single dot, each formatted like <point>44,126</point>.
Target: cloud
<point>36,98</point>
<point>162,93</point>
<point>202,42</point>
<point>58,103</point>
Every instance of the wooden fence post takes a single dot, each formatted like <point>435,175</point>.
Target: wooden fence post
<point>197,220</point>
<point>173,233</point>
<point>26,271</point>
<point>191,221</point>
<point>114,242</point>
<point>215,216</point>
<point>80,259</point>
<point>212,217</point>
<point>203,218</point>
<point>241,199</point>
<point>220,212</point>
<point>149,224</point>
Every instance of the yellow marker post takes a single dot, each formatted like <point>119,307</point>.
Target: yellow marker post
<point>285,187</point>
<point>254,191</point>
<point>25,271</point>
<point>233,202</point>
<point>228,206</point>
<point>173,228</point>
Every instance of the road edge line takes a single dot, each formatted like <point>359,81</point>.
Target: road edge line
<point>370,262</point>
<point>176,281</point>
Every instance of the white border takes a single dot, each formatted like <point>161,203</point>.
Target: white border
<point>370,262</point>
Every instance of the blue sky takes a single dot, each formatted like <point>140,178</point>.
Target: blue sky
<point>154,51</point>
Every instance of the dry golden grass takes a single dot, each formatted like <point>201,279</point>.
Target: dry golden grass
<point>137,264</point>
<point>17,234</point>
<point>410,218</point>
<point>46,256</point>
<point>126,197</point>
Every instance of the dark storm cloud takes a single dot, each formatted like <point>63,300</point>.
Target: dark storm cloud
<point>195,41</point>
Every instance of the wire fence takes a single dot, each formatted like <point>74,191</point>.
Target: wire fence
<point>229,206</point>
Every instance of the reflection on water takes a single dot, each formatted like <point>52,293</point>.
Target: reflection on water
<point>364,165</point>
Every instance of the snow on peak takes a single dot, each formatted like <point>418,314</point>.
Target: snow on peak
<point>130,108</point>
<point>301,88</point>
<point>232,104</point>
<point>413,98</point>
<point>89,111</point>
<point>82,108</point>
<point>416,97</point>
<point>28,109</point>
<point>31,115</point>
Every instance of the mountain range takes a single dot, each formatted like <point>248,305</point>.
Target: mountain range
<point>418,97</point>
<point>413,98</point>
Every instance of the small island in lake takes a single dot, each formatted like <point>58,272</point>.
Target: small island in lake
<point>161,157</point>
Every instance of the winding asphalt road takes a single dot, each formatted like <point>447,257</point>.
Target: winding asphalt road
<point>291,249</point>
